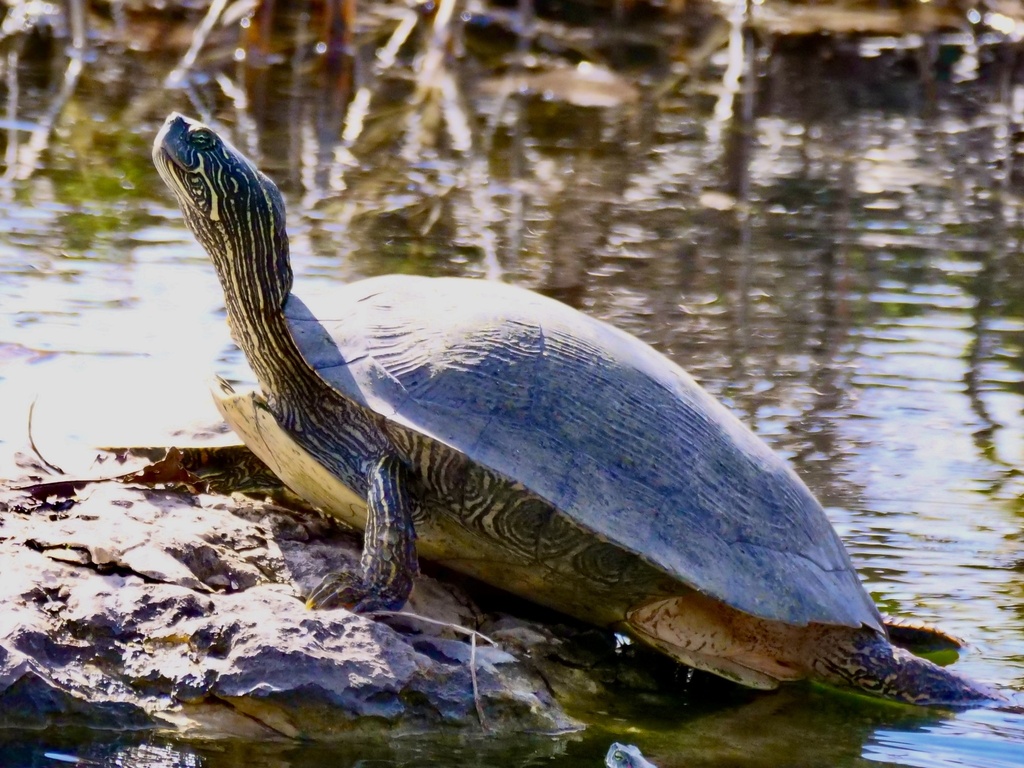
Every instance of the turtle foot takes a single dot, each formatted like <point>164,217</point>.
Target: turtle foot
<point>347,590</point>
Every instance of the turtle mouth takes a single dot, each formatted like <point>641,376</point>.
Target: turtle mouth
<point>167,142</point>
<point>168,166</point>
<point>172,171</point>
<point>170,157</point>
<point>165,156</point>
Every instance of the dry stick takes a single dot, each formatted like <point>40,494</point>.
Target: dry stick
<point>473,635</point>
<point>732,77</point>
<point>27,156</point>
<point>198,40</point>
<point>32,442</point>
<point>358,110</point>
<point>474,175</point>
<point>433,60</point>
<point>425,619</point>
<point>387,55</point>
<point>76,13</point>
<point>472,676</point>
<point>13,92</point>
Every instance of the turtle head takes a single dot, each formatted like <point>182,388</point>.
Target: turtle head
<point>235,212</point>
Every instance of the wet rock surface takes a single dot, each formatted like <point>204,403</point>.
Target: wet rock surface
<point>134,607</point>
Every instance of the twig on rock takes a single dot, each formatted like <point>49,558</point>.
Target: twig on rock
<point>473,635</point>
<point>32,443</point>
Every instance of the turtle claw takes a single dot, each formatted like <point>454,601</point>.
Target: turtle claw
<point>336,590</point>
<point>346,590</point>
<point>386,570</point>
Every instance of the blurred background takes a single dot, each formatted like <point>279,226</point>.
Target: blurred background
<point>814,207</point>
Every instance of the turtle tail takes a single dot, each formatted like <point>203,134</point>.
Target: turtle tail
<point>868,661</point>
<point>920,638</point>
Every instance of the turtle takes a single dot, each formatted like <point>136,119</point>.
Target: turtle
<point>508,436</point>
<point>626,756</point>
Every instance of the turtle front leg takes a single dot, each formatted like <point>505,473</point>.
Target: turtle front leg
<point>388,565</point>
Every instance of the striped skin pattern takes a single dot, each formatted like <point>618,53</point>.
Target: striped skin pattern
<point>203,172</point>
<point>388,549</point>
<point>501,434</point>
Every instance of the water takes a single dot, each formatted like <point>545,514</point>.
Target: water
<point>836,256</point>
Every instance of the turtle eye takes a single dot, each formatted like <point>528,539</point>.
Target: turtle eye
<point>202,138</point>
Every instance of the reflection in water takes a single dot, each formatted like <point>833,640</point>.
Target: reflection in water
<point>85,749</point>
<point>795,727</point>
<point>991,742</point>
<point>837,257</point>
<point>71,747</point>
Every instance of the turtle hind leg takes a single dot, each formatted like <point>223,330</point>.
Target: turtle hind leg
<point>866,660</point>
<point>389,564</point>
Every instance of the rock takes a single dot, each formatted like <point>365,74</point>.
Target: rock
<point>133,607</point>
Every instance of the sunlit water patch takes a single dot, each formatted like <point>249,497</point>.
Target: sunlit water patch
<point>842,269</point>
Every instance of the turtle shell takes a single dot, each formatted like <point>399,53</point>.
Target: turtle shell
<point>609,431</point>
